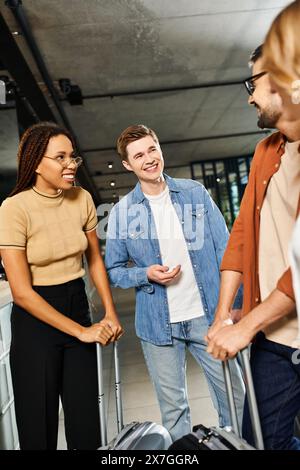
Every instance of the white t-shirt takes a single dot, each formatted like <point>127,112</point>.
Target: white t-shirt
<point>183,294</point>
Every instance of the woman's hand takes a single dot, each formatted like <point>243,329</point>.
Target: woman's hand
<point>97,333</point>
<point>115,326</point>
<point>100,280</point>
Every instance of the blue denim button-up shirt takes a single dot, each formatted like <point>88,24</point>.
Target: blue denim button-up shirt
<point>132,246</point>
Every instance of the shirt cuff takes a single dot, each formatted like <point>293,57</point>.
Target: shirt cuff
<point>285,284</point>
<point>143,281</point>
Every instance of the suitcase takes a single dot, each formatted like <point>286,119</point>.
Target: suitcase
<point>229,437</point>
<point>214,438</point>
<point>133,436</point>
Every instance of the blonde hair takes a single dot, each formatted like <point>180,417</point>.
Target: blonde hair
<point>281,50</point>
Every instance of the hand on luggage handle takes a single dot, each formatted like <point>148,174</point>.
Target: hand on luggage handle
<point>252,403</point>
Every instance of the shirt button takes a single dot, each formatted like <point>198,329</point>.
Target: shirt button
<point>276,165</point>
<point>258,207</point>
<point>256,299</point>
<point>265,182</point>
<point>195,266</point>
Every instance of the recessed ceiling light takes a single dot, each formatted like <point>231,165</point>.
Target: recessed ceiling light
<point>112,183</point>
<point>109,164</point>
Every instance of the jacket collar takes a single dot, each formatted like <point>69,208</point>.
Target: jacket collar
<point>138,195</point>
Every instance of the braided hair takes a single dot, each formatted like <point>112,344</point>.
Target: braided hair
<point>31,150</point>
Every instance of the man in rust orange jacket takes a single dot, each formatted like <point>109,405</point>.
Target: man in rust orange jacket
<point>257,255</point>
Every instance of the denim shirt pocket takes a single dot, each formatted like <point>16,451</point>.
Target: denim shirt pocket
<point>136,246</point>
<point>199,213</point>
<point>133,235</point>
<point>193,226</point>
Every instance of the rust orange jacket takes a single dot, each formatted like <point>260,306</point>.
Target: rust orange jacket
<point>241,253</point>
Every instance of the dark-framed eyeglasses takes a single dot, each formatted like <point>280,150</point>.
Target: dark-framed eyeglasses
<point>65,161</point>
<point>250,82</point>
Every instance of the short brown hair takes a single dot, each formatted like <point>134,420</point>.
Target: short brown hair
<point>131,134</point>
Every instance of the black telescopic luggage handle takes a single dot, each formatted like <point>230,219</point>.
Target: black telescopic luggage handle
<point>252,403</point>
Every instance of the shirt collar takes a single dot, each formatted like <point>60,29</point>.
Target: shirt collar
<point>138,195</point>
<point>281,143</point>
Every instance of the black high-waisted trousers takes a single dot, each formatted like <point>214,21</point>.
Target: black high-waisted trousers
<point>45,364</point>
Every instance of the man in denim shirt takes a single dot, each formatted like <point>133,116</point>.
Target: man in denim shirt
<point>174,237</point>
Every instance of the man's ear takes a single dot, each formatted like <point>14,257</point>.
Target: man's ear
<point>126,165</point>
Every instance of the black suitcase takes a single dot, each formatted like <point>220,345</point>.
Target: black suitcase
<point>214,438</point>
<point>229,437</point>
<point>132,436</point>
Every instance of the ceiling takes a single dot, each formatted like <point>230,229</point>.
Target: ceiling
<point>118,46</point>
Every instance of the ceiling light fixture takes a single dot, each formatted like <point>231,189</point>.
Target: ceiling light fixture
<point>112,183</point>
<point>109,164</point>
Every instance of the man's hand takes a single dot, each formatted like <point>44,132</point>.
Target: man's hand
<point>223,318</point>
<point>236,314</point>
<point>217,325</point>
<point>228,341</point>
<point>162,275</point>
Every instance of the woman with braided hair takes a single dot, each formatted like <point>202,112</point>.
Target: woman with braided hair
<point>46,225</point>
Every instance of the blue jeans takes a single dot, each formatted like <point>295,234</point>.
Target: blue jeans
<point>277,385</point>
<point>167,368</point>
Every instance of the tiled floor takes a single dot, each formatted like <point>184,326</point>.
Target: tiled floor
<point>139,398</point>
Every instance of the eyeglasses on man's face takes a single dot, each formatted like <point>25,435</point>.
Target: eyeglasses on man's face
<point>250,82</point>
<point>66,161</point>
